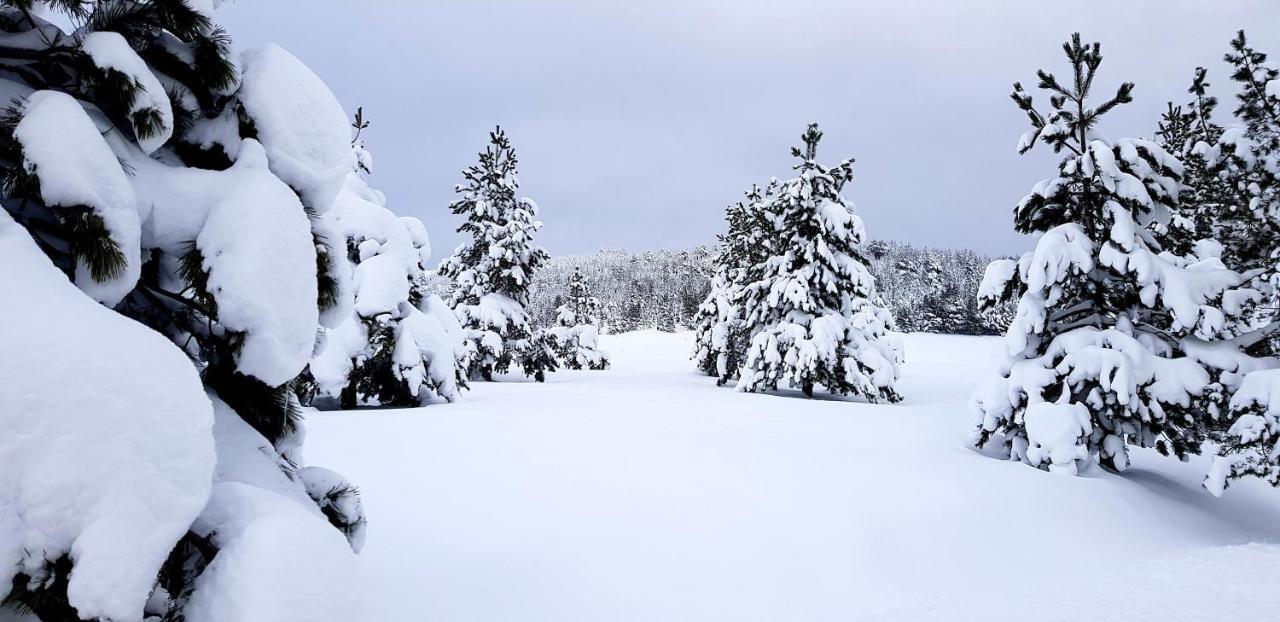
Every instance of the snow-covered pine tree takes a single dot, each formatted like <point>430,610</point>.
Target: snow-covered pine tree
<point>576,335</point>
<point>1096,354</point>
<point>810,308</point>
<point>720,338</point>
<point>186,191</point>
<point>1244,161</point>
<point>1249,157</point>
<point>401,346</point>
<point>491,273</point>
<point>1214,219</point>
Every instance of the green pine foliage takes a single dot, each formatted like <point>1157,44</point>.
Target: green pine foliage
<point>492,272</point>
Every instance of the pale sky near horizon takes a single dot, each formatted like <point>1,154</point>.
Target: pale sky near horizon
<point>636,123</point>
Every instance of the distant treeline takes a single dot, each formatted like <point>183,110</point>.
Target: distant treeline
<point>926,289</point>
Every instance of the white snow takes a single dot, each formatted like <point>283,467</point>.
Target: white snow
<point>381,283</point>
<point>299,121</point>
<point>110,50</point>
<point>1055,434</point>
<point>261,258</point>
<point>279,559</point>
<point>645,492</point>
<point>64,149</point>
<point>106,452</point>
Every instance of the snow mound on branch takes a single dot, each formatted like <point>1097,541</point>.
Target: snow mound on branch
<point>325,232</point>
<point>429,343</point>
<point>360,214</point>
<point>418,234</point>
<point>339,500</point>
<point>498,311</point>
<point>277,561</point>
<point>1260,389</point>
<point>1055,433</point>
<point>64,149</point>
<point>261,259</point>
<point>301,124</point>
<point>109,51</point>
<point>257,246</point>
<point>334,362</point>
<point>381,283</point>
<point>996,278</point>
<point>112,472</point>
<point>247,457</point>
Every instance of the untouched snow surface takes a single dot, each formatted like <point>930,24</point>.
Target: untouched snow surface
<point>647,493</point>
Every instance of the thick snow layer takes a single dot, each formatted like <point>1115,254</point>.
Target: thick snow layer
<point>429,342</point>
<point>261,259</point>
<point>247,457</point>
<point>333,363</point>
<point>304,128</point>
<point>110,50</point>
<point>257,245</point>
<point>1055,434</point>
<point>381,284</point>
<point>277,561</point>
<point>647,493</point>
<point>106,452</point>
<point>65,150</point>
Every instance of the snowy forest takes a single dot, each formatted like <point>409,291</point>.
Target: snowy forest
<point>925,289</point>
<point>238,382</point>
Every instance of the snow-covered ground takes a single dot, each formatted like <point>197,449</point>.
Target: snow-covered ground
<point>647,493</point>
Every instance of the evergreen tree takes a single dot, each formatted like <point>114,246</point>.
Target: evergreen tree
<point>1213,218</point>
<point>189,191</point>
<point>720,333</point>
<point>809,307</point>
<point>492,272</point>
<point>1249,158</point>
<point>1097,352</point>
<point>576,335</point>
<point>1245,160</point>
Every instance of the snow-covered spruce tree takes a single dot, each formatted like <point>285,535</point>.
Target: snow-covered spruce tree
<point>401,346</point>
<point>1249,156</point>
<point>158,192</point>
<point>1214,217</point>
<point>576,335</point>
<point>491,273</point>
<point>720,335</point>
<point>810,308</point>
<point>1095,358</point>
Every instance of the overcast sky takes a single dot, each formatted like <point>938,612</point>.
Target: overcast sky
<point>637,122</point>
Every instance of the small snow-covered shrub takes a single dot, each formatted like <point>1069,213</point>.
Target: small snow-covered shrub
<point>576,335</point>
<point>167,247</point>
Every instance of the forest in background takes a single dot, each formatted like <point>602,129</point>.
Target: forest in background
<point>926,289</point>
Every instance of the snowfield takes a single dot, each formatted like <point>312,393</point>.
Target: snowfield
<point>647,493</point>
